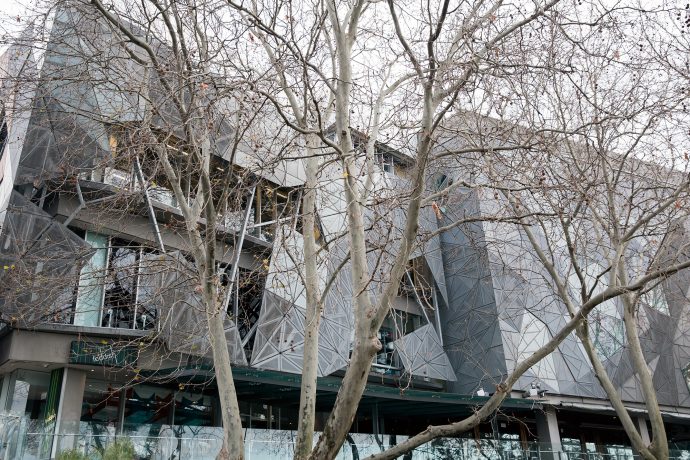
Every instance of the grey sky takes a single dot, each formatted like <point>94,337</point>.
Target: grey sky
<point>10,8</point>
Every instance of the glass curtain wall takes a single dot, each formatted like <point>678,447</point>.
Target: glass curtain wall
<point>111,292</point>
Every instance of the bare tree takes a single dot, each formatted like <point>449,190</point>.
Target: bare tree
<point>474,64</point>
<point>551,129</point>
<point>176,119</point>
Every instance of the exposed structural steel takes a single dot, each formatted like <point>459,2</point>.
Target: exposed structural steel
<point>237,251</point>
<point>149,205</point>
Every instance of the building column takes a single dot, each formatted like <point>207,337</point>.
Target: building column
<point>644,431</point>
<point>4,392</point>
<point>549,435</point>
<point>69,409</point>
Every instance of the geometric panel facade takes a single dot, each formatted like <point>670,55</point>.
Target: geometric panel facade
<point>39,261</point>
<point>279,339</point>
<point>422,354</point>
<point>501,309</point>
<point>471,330</point>
<point>183,322</point>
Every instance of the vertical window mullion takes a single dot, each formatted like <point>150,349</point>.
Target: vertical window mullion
<point>105,280</point>
<point>137,278</point>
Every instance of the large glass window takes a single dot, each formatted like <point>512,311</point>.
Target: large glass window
<point>140,407</point>
<point>101,403</point>
<point>100,413</point>
<point>121,285</point>
<point>148,405</point>
<point>28,395</point>
<point>110,292</point>
<point>91,283</point>
<point>193,409</point>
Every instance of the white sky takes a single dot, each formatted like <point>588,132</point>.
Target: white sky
<point>14,16</point>
<point>10,8</point>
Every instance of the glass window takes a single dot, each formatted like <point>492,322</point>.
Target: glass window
<point>101,403</point>
<point>29,394</point>
<point>441,181</point>
<point>148,405</point>
<point>109,292</point>
<point>384,360</point>
<point>261,415</point>
<point>119,305</point>
<point>193,409</point>
<point>619,452</point>
<point>100,411</point>
<point>152,266</point>
<point>90,291</point>
<point>406,322</point>
<point>386,163</point>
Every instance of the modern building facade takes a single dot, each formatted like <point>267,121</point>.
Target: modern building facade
<point>103,334</point>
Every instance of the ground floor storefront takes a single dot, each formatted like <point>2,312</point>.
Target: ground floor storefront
<point>61,392</point>
<point>175,415</point>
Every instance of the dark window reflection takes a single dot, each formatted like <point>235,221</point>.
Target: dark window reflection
<point>121,286</point>
<point>122,306</point>
<point>193,409</point>
<point>101,403</point>
<point>148,405</point>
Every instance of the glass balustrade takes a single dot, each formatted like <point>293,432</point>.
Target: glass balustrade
<point>20,439</point>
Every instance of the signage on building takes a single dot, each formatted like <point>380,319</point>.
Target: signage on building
<point>102,354</point>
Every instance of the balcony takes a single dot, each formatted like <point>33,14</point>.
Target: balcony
<point>110,176</point>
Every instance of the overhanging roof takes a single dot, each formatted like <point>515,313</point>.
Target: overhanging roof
<point>283,389</point>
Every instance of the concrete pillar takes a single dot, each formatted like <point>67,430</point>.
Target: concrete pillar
<point>4,392</point>
<point>549,435</point>
<point>69,409</point>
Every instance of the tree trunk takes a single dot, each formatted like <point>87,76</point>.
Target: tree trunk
<point>601,374</point>
<point>233,439</point>
<point>366,341</point>
<point>345,408</point>
<point>310,361</point>
<point>659,446</point>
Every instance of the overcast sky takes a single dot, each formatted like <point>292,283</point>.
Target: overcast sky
<point>13,17</point>
<point>10,8</point>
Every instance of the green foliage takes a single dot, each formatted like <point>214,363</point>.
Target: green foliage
<point>71,454</point>
<point>122,449</point>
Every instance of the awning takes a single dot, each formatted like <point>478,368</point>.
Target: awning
<point>283,389</point>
